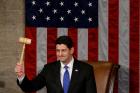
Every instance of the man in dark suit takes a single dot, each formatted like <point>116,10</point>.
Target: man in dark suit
<point>66,75</point>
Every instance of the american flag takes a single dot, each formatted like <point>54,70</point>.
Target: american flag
<point>102,30</point>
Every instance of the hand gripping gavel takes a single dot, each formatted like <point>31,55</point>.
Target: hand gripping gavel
<point>24,41</point>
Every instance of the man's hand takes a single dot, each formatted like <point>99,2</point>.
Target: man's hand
<point>19,69</point>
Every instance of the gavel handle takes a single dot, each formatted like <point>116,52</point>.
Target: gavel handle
<point>22,54</point>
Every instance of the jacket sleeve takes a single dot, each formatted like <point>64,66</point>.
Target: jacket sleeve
<point>90,83</point>
<point>32,85</point>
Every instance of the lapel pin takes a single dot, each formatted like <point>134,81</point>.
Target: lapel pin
<point>76,70</point>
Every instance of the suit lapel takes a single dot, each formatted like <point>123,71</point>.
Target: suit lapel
<point>57,72</point>
<point>75,74</point>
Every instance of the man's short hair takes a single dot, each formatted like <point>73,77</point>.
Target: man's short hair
<point>66,40</point>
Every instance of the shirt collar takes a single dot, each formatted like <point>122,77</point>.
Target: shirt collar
<point>70,64</point>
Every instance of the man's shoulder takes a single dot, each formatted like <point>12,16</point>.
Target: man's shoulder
<point>83,64</point>
<point>52,64</point>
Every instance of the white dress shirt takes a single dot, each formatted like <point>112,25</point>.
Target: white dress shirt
<point>62,69</point>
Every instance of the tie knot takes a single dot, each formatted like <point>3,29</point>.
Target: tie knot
<point>66,67</point>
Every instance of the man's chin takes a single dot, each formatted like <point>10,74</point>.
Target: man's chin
<point>62,60</point>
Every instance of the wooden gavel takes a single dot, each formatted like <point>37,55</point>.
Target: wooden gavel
<point>24,41</point>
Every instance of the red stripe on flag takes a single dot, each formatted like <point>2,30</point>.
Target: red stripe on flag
<point>113,34</point>
<point>113,30</point>
<point>93,44</point>
<point>134,46</point>
<point>30,53</point>
<point>72,32</point>
<point>51,38</point>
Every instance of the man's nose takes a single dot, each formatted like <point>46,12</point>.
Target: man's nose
<point>60,53</point>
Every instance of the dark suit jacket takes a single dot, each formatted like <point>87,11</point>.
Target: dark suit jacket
<point>82,80</point>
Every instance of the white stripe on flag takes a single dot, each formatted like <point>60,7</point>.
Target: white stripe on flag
<point>123,84</point>
<point>41,48</point>
<point>103,30</point>
<point>41,51</point>
<point>62,31</point>
<point>82,44</point>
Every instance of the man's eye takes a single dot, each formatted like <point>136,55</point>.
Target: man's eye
<point>63,50</point>
<point>57,50</point>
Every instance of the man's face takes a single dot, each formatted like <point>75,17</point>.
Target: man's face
<point>63,53</point>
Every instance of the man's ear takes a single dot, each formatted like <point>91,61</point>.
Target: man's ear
<point>72,50</point>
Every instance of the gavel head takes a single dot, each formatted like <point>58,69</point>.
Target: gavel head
<point>24,40</point>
